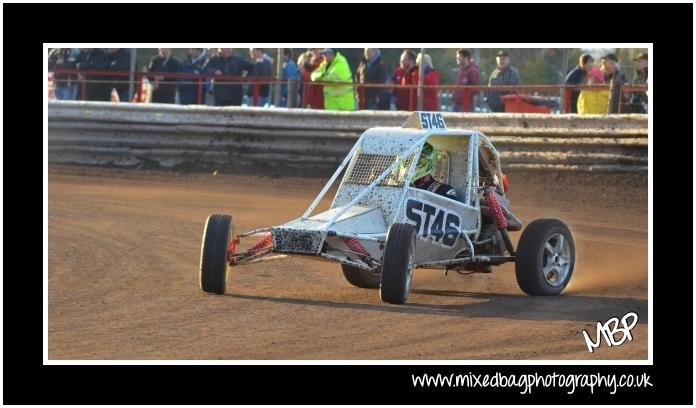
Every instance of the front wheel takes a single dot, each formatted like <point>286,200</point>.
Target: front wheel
<point>545,257</point>
<point>216,240</point>
<point>398,263</point>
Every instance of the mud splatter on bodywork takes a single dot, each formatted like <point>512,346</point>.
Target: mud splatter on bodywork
<point>297,241</point>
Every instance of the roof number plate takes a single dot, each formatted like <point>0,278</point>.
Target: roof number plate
<point>432,120</point>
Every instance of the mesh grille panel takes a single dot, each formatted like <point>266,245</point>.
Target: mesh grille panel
<point>367,167</point>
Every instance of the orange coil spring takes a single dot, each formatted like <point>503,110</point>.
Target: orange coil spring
<point>264,243</point>
<point>498,215</point>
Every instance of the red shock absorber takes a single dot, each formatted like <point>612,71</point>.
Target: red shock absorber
<point>356,246</point>
<point>500,220</point>
<point>264,243</point>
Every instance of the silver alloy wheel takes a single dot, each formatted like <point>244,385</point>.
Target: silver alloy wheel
<point>556,259</point>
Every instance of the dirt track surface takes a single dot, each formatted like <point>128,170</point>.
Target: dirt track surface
<point>124,249</point>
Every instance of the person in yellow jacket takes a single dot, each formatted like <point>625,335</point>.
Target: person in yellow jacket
<point>596,102</point>
<point>335,69</point>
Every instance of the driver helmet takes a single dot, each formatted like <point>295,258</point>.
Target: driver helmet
<point>426,162</point>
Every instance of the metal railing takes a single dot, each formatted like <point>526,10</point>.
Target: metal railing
<point>86,77</point>
<point>171,78</point>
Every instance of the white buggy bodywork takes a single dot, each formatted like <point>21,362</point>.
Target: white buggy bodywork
<point>375,194</point>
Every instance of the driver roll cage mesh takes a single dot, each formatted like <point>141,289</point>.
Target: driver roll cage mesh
<point>367,167</point>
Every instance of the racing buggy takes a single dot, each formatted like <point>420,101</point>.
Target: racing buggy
<point>380,228</point>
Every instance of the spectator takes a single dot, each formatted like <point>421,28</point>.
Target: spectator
<point>335,69</point>
<point>302,63</point>
<point>305,67</point>
<point>612,72</point>
<point>431,101</point>
<point>64,58</point>
<point>314,90</point>
<point>208,87</point>
<point>97,87</point>
<point>638,101</point>
<point>262,68</point>
<point>268,58</point>
<point>119,60</point>
<point>227,92</point>
<point>504,74</point>
<point>188,87</point>
<point>163,88</point>
<point>403,75</point>
<point>288,73</point>
<point>612,69</point>
<point>373,70</point>
<point>641,69</point>
<point>578,76</point>
<point>467,75</point>
<point>591,101</point>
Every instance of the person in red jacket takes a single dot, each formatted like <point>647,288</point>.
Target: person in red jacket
<point>431,101</point>
<point>316,92</point>
<point>403,75</point>
<point>304,65</point>
<point>468,74</point>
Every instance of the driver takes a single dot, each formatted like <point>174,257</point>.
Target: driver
<point>423,176</point>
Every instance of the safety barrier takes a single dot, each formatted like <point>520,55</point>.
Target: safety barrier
<point>87,78</point>
<point>172,136</point>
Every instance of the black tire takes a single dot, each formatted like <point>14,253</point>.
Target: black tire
<point>216,240</point>
<point>397,264</point>
<point>533,256</point>
<point>360,277</point>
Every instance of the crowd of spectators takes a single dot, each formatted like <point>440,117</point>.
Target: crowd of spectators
<point>307,81</point>
<point>589,101</point>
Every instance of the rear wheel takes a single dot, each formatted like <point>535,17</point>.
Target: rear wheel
<point>545,257</point>
<point>216,240</point>
<point>361,277</point>
<point>398,264</point>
